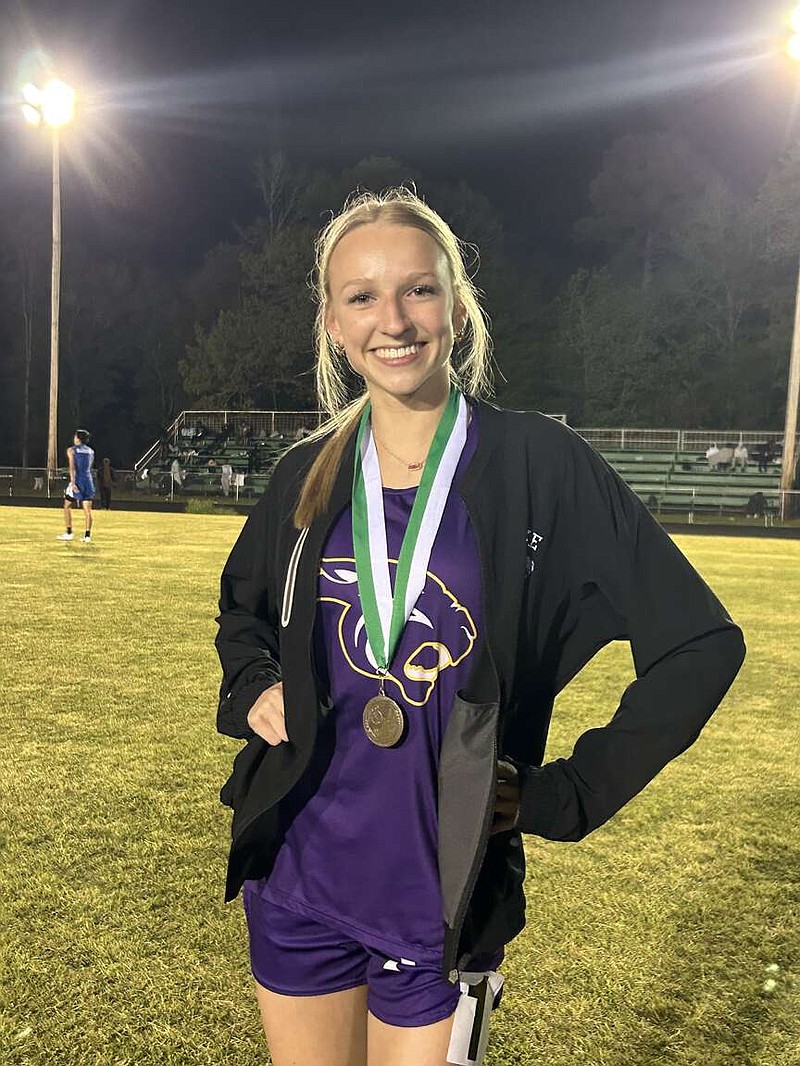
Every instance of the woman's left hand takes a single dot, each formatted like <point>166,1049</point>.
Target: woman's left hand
<point>506,808</point>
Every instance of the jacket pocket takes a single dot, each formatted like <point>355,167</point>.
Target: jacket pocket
<point>244,767</point>
<point>264,773</point>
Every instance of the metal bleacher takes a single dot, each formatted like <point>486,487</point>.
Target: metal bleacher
<point>657,464</point>
<point>672,481</point>
<point>204,442</point>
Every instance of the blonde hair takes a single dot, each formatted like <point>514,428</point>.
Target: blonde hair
<point>472,374</point>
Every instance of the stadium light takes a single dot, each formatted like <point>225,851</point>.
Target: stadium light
<point>52,106</point>
<point>788,463</point>
<point>793,43</point>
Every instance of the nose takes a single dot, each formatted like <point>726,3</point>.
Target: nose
<point>394,320</point>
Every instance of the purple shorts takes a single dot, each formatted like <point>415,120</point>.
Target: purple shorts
<point>297,956</point>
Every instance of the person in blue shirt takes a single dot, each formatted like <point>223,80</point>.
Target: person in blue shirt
<point>81,484</point>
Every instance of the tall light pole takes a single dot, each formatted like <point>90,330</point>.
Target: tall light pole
<point>792,399</point>
<point>53,105</point>
<point>793,391</point>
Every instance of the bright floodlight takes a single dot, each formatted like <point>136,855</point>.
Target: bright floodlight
<point>31,115</point>
<point>793,47</point>
<point>33,94</point>
<point>794,19</point>
<point>58,103</point>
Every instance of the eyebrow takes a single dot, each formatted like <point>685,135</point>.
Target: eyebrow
<point>406,281</point>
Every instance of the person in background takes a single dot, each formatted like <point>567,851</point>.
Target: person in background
<point>764,455</point>
<point>177,474</point>
<point>81,484</point>
<point>711,456</point>
<point>740,456</point>
<point>107,480</point>
<point>756,506</point>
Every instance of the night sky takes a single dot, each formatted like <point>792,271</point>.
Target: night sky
<point>520,98</point>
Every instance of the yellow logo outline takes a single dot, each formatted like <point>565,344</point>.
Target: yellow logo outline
<point>413,672</point>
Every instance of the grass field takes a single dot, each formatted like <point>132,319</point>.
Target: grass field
<point>647,943</point>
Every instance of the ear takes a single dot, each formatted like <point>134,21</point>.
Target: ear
<point>332,326</point>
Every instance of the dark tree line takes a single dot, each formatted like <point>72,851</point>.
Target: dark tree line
<point>683,318</point>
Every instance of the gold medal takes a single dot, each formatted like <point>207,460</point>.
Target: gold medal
<point>383,721</point>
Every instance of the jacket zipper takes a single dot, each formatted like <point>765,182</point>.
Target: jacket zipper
<point>291,578</point>
<point>289,587</point>
<point>286,614</point>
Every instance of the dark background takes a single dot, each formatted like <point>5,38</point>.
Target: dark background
<point>519,99</point>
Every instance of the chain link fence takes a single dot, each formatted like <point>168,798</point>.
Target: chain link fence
<point>35,483</point>
<point>772,506</point>
<point>675,440</point>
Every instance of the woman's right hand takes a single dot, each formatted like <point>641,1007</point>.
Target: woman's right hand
<point>266,716</point>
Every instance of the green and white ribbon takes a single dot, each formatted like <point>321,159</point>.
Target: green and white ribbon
<point>385,614</point>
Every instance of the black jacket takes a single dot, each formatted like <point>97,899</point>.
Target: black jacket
<point>570,560</point>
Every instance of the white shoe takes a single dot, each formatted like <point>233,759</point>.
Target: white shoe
<point>85,539</point>
<point>64,536</point>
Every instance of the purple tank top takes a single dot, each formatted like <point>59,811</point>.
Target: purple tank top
<point>361,827</point>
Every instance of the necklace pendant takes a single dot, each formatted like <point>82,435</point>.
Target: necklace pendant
<point>415,466</point>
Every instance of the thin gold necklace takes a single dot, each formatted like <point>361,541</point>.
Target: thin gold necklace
<point>411,466</point>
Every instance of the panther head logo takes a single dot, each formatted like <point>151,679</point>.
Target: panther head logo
<point>415,677</point>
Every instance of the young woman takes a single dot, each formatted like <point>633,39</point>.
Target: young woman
<point>420,580</point>
<point>81,484</point>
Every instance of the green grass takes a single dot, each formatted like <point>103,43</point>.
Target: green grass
<point>646,943</point>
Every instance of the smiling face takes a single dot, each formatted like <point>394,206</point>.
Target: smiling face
<point>391,307</point>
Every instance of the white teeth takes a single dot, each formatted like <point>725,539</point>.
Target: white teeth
<point>397,353</point>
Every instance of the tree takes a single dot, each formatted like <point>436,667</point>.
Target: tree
<point>687,274</point>
<point>608,363</point>
<point>215,286</point>
<point>324,194</point>
<point>25,299</point>
<point>261,352</point>
<point>777,215</point>
<point>121,343</point>
<point>710,315</point>
<point>279,188</point>
<point>646,189</point>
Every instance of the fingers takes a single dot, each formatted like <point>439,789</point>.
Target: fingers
<point>506,771</point>
<point>506,802</point>
<point>507,796</point>
<point>266,717</point>
<point>507,791</point>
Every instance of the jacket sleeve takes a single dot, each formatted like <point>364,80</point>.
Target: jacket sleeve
<point>247,640</point>
<point>626,579</point>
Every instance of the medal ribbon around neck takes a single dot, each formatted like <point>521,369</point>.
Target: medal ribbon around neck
<point>385,614</point>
